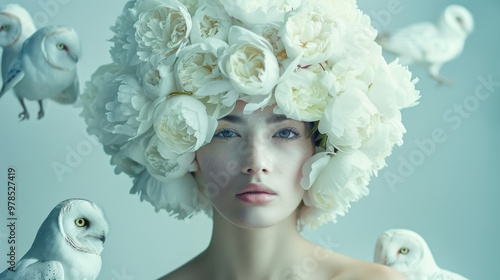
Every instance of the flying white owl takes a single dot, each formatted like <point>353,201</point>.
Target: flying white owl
<point>430,44</point>
<point>408,253</point>
<point>46,68</point>
<point>68,245</point>
<point>16,25</point>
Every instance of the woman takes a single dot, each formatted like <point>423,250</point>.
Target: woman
<point>270,117</point>
<point>255,232</point>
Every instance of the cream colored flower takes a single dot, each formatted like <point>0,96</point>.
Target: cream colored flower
<point>311,33</point>
<point>157,78</point>
<point>270,33</point>
<point>164,164</point>
<point>349,119</point>
<point>333,181</point>
<point>249,63</point>
<point>210,22</point>
<point>253,12</point>
<point>182,123</point>
<point>301,96</point>
<point>162,28</point>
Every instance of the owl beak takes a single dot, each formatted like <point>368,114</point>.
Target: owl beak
<point>102,238</point>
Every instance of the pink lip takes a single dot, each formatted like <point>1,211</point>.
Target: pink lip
<point>255,193</point>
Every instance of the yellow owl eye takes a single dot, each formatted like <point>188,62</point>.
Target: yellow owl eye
<point>81,222</point>
<point>404,251</point>
<point>6,27</point>
<point>61,46</point>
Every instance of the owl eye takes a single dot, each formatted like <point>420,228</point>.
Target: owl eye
<point>61,46</point>
<point>6,27</point>
<point>404,251</point>
<point>81,222</point>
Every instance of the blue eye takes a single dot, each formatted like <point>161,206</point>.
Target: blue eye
<point>287,133</point>
<point>225,133</point>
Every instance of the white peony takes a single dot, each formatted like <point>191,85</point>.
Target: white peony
<point>250,13</point>
<point>333,181</point>
<point>131,111</point>
<point>197,65</point>
<point>192,5</point>
<point>270,33</point>
<point>175,196</point>
<point>161,29</point>
<point>124,49</point>
<point>349,119</point>
<point>392,89</point>
<point>157,78</point>
<point>311,33</point>
<point>249,63</point>
<point>301,96</point>
<point>210,21</point>
<point>182,123</point>
<point>129,157</point>
<point>164,164</point>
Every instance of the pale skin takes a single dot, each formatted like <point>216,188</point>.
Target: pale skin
<point>260,241</point>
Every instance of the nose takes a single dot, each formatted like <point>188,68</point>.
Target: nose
<point>257,158</point>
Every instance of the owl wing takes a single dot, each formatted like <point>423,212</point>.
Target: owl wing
<point>50,270</point>
<point>14,75</point>
<point>70,94</point>
<point>415,43</point>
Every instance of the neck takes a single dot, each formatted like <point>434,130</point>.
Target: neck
<point>257,253</point>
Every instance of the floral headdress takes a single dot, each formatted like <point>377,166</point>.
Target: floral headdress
<point>178,66</point>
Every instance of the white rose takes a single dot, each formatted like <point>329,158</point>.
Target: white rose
<point>311,33</point>
<point>392,89</point>
<point>175,196</point>
<point>164,164</point>
<point>249,63</point>
<point>301,96</point>
<point>192,5</point>
<point>124,49</point>
<point>162,28</point>
<point>182,123</point>
<point>250,13</point>
<point>333,181</point>
<point>210,21</point>
<point>157,78</point>
<point>349,119</point>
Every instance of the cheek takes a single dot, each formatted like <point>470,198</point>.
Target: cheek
<point>217,164</point>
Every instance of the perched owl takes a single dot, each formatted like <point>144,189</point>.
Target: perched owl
<point>408,253</point>
<point>431,44</point>
<point>46,68</point>
<point>68,245</point>
<point>16,25</point>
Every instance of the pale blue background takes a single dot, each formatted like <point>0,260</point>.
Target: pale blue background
<point>451,199</point>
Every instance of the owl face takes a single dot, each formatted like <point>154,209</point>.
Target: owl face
<point>61,48</point>
<point>83,225</point>
<point>402,250</point>
<point>459,18</point>
<point>10,29</point>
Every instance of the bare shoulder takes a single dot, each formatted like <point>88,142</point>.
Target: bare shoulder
<point>353,269</point>
<point>191,270</point>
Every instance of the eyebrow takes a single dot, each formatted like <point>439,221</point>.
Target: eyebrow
<point>239,120</point>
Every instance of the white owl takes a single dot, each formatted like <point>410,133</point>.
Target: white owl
<point>68,245</point>
<point>408,253</point>
<point>46,68</point>
<point>16,25</point>
<point>431,44</point>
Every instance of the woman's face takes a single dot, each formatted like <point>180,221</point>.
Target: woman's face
<point>251,169</point>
